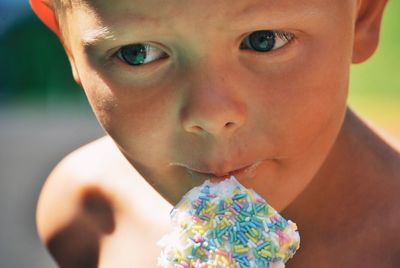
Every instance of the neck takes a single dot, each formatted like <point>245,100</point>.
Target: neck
<point>349,183</point>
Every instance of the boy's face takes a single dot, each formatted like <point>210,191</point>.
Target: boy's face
<point>209,97</point>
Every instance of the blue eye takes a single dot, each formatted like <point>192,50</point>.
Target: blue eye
<point>139,54</point>
<point>266,40</point>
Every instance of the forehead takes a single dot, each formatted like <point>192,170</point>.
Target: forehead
<point>201,10</point>
<point>116,18</point>
<point>173,6</point>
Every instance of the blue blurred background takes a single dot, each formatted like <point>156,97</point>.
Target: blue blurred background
<point>44,116</point>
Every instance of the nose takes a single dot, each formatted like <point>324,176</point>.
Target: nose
<point>213,106</point>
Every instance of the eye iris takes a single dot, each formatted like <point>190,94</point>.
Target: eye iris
<point>134,54</point>
<point>262,40</point>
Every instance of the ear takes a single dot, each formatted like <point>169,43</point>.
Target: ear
<point>367,28</point>
<point>45,12</point>
<point>75,72</point>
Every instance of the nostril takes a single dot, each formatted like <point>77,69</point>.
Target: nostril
<point>229,125</point>
<point>197,129</point>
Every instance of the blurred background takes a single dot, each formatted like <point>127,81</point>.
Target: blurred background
<point>44,116</point>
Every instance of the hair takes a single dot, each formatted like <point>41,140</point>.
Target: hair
<point>61,8</point>
<point>58,5</point>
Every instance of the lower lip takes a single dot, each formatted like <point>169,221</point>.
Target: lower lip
<point>243,173</point>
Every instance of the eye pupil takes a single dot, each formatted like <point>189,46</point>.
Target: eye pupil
<point>262,40</point>
<point>134,54</point>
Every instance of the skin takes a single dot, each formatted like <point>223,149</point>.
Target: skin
<point>232,107</point>
<point>213,107</point>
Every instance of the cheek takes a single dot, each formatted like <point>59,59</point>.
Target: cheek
<point>100,98</point>
<point>138,123</point>
<point>303,103</point>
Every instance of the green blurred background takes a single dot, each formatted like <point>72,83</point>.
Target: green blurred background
<point>375,84</point>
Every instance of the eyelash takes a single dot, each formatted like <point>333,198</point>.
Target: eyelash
<point>284,36</point>
<point>267,34</point>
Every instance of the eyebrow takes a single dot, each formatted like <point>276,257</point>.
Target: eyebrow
<point>278,14</point>
<point>105,33</point>
<point>93,36</point>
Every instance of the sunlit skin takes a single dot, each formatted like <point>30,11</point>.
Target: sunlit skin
<point>209,106</point>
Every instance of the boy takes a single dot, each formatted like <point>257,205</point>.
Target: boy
<point>191,90</point>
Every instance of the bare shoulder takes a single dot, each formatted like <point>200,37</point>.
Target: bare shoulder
<point>68,181</point>
<point>86,197</point>
<point>378,149</point>
<point>384,217</point>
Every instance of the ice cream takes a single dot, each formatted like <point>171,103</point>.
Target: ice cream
<point>227,225</point>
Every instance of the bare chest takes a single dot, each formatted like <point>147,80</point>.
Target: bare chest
<point>347,252</point>
<point>132,245</point>
<point>139,226</point>
<point>141,218</point>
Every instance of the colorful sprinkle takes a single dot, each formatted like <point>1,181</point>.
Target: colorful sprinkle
<point>226,225</point>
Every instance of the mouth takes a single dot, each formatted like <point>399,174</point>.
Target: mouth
<point>245,172</point>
